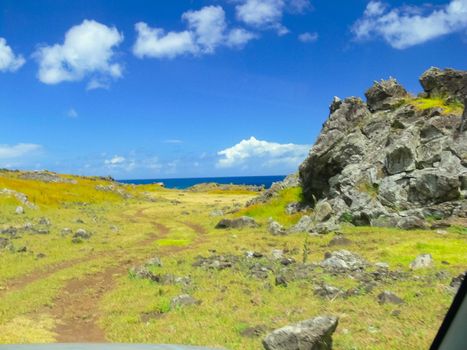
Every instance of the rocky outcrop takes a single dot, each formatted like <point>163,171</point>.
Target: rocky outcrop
<point>289,182</point>
<point>387,162</point>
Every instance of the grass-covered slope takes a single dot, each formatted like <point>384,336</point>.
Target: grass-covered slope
<point>62,291</point>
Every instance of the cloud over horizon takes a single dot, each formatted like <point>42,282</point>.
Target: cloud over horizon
<point>87,51</point>
<point>262,153</point>
<point>18,150</point>
<point>410,25</point>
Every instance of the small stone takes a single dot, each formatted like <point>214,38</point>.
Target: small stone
<point>19,210</point>
<point>382,265</point>
<point>281,281</point>
<point>277,254</point>
<point>339,240</point>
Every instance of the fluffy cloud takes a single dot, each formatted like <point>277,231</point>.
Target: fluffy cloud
<point>308,37</point>
<point>262,152</point>
<point>267,14</point>
<point>408,26</point>
<point>206,31</point>
<point>88,50</point>
<point>19,150</point>
<point>9,62</point>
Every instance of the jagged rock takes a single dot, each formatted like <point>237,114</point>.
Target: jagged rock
<point>385,95</point>
<point>275,228</point>
<point>244,221</point>
<point>313,334</point>
<point>447,82</point>
<point>422,261</point>
<point>326,227</point>
<point>377,162</point>
<point>183,300</point>
<point>19,210</point>
<point>389,297</point>
<point>343,260</point>
<point>295,207</point>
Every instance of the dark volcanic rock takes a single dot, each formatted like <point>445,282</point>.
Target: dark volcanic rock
<point>385,94</point>
<point>314,334</point>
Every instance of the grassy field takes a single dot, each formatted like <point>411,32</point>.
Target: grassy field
<point>54,290</point>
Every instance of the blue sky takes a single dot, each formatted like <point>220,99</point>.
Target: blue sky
<point>155,89</point>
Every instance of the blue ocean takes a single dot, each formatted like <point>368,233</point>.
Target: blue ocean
<point>182,183</point>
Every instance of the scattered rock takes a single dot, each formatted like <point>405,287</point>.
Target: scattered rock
<point>339,240</point>
<point>327,291</point>
<point>183,300</point>
<point>281,280</point>
<point>215,213</point>
<point>422,261</point>
<point>19,210</point>
<point>385,95</point>
<point>156,261</point>
<point>44,221</point>
<point>382,265</point>
<point>244,221</point>
<point>80,235</point>
<point>66,231</point>
<point>277,254</point>
<point>343,260</point>
<point>305,224</point>
<point>4,242</point>
<point>253,332</point>
<point>315,333</point>
<point>389,297</point>
<point>275,228</point>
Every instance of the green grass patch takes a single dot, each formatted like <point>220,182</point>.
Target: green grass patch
<point>275,208</point>
<point>451,108</point>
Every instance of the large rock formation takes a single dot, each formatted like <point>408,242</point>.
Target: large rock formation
<point>387,162</point>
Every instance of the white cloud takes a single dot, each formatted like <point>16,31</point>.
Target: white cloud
<point>9,62</point>
<point>308,37</point>
<point>260,13</point>
<point>299,6</point>
<point>408,26</point>
<point>154,42</point>
<point>208,25</point>
<point>239,37</point>
<point>88,50</point>
<point>18,150</point>
<point>72,113</point>
<point>206,31</point>
<point>115,160</point>
<point>262,152</point>
<point>173,141</point>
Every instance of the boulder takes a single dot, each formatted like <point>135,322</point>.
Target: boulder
<point>422,261</point>
<point>80,235</point>
<point>313,334</point>
<point>323,211</point>
<point>339,240</point>
<point>305,224</point>
<point>411,223</point>
<point>244,221</point>
<point>327,291</point>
